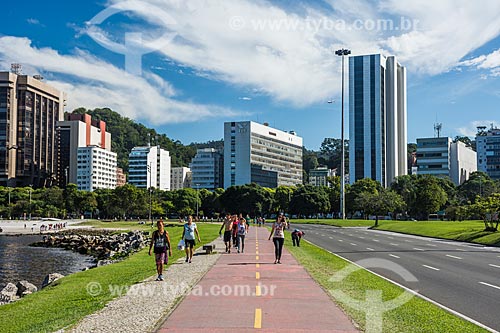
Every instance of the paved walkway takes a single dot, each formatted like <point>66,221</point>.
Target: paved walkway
<point>243,292</point>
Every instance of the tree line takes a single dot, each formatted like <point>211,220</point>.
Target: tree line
<point>408,197</point>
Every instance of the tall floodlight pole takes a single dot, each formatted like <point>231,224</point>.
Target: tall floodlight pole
<point>342,53</point>
<point>150,190</point>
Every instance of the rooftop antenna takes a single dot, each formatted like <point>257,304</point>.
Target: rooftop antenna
<point>16,68</point>
<point>481,129</point>
<point>437,130</point>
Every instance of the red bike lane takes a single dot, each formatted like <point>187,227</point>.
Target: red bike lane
<point>247,292</point>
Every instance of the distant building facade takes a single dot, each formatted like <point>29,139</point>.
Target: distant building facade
<point>149,167</point>
<point>121,178</point>
<point>92,167</point>
<point>441,157</point>
<point>257,153</point>
<point>207,169</point>
<point>29,110</point>
<point>180,178</point>
<point>377,118</point>
<point>320,175</point>
<point>488,152</point>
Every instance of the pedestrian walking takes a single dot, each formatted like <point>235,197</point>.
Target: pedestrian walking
<point>278,233</point>
<point>242,231</point>
<point>161,243</point>
<point>227,225</point>
<point>188,234</point>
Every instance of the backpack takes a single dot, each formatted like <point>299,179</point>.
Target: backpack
<point>160,242</point>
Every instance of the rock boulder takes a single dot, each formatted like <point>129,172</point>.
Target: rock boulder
<point>51,278</point>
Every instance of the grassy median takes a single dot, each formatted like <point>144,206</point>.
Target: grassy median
<point>335,222</point>
<point>465,231</point>
<point>67,301</point>
<point>417,315</point>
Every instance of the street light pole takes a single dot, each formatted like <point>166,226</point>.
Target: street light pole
<point>150,190</point>
<point>30,202</point>
<point>342,53</point>
<point>197,198</point>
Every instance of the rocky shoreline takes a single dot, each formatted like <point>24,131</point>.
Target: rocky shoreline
<point>104,245</point>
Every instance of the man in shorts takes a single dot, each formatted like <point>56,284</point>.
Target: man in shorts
<point>227,224</point>
<point>161,242</point>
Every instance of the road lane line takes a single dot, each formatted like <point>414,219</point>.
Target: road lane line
<point>390,237</point>
<point>394,244</point>
<point>431,245</point>
<point>257,290</point>
<point>330,237</point>
<point>496,266</point>
<point>257,275</point>
<point>489,285</point>
<point>375,240</point>
<point>407,240</point>
<point>353,244</point>
<point>256,252</point>
<point>454,257</point>
<point>430,267</point>
<point>394,256</point>
<point>361,237</point>
<point>257,265</point>
<point>256,257</point>
<point>418,249</point>
<point>340,240</point>
<point>258,319</point>
<point>370,249</point>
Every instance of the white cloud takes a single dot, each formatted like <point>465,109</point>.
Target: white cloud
<point>34,21</point>
<point>288,54</point>
<point>471,129</point>
<point>92,83</point>
<point>490,62</point>
<point>245,98</point>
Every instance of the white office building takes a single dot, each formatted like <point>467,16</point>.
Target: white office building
<point>488,151</point>
<point>257,153</point>
<point>207,169</point>
<point>149,167</point>
<point>180,178</point>
<point>441,157</point>
<point>377,118</point>
<point>96,168</point>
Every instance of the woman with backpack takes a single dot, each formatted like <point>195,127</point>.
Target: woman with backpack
<point>161,243</point>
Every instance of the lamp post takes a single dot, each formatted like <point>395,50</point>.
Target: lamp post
<point>30,189</point>
<point>197,197</point>
<point>150,190</point>
<point>342,53</point>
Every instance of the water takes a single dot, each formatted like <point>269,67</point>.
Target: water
<point>19,261</point>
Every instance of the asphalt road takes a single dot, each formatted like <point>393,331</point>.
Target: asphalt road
<point>461,276</point>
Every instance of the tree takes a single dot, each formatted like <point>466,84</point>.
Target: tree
<point>430,196</point>
<point>479,184</point>
<point>465,139</point>
<point>365,185</point>
<point>331,153</point>
<point>282,198</point>
<point>309,200</point>
<point>380,203</point>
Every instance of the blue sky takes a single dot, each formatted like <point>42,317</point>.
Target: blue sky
<point>198,63</point>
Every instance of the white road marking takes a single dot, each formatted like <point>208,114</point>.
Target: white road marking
<point>496,266</point>
<point>323,235</point>
<point>449,255</point>
<point>431,245</point>
<point>375,240</point>
<point>361,237</point>
<point>340,240</point>
<point>418,249</point>
<point>330,237</point>
<point>430,267</point>
<point>394,244</point>
<point>489,285</point>
<point>394,256</point>
<point>390,237</point>
<point>353,244</point>
<point>407,240</point>
<point>370,249</point>
<point>463,250</point>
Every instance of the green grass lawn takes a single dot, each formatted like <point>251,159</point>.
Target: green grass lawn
<point>335,222</point>
<point>466,231</point>
<point>67,301</point>
<point>414,316</point>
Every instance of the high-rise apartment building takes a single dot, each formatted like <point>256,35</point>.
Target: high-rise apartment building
<point>441,157</point>
<point>149,167</point>
<point>180,178</point>
<point>377,118</point>
<point>488,151</point>
<point>89,168</point>
<point>207,169</point>
<point>121,178</point>
<point>256,153</point>
<point>29,110</point>
<point>96,168</point>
